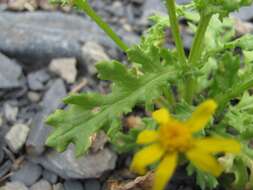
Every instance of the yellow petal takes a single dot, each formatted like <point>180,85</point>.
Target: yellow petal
<point>204,161</point>
<point>201,115</point>
<point>145,157</point>
<point>147,136</point>
<point>162,116</point>
<point>164,171</point>
<point>216,145</point>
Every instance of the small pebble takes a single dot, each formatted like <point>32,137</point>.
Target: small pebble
<point>33,96</point>
<point>28,174</point>
<point>92,184</point>
<point>41,185</point>
<point>65,67</point>
<point>36,80</point>
<point>50,176</point>
<point>15,186</point>
<point>16,136</point>
<point>73,184</point>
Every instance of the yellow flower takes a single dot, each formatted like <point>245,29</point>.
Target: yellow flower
<point>174,138</point>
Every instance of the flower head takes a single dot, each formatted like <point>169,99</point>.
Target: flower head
<point>175,137</point>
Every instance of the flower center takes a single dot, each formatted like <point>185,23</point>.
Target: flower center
<point>175,137</point>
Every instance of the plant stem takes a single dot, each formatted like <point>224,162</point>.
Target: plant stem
<point>170,4</point>
<point>196,49</point>
<point>195,55</point>
<point>84,5</point>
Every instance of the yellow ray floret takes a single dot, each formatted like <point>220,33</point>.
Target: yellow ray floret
<point>174,137</point>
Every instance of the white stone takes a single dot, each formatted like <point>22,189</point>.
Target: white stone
<point>33,96</point>
<point>58,186</point>
<point>41,185</point>
<point>64,67</point>
<point>15,186</point>
<point>10,112</point>
<point>16,136</point>
<point>93,53</point>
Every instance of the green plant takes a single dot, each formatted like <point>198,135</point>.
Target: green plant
<point>162,77</point>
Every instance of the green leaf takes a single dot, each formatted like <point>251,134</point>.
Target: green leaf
<point>245,43</point>
<point>226,75</point>
<point>88,113</point>
<point>222,7</point>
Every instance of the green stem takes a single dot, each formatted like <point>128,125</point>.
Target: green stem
<point>170,4</point>
<point>84,5</point>
<point>195,55</point>
<point>196,49</point>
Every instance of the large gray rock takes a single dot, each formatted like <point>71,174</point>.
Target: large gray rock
<point>42,36</point>
<point>10,73</point>
<point>35,143</point>
<point>68,166</point>
<point>28,174</point>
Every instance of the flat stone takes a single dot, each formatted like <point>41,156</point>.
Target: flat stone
<point>65,67</point>
<point>68,166</point>
<point>35,143</point>
<point>10,112</point>
<point>93,53</point>
<point>16,136</point>
<point>92,184</point>
<point>37,80</point>
<point>50,176</point>
<point>41,185</point>
<point>43,36</point>
<point>10,73</point>
<point>15,186</point>
<point>28,174</point>
<point>73,184</point>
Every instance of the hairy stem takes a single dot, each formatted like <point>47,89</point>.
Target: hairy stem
<point>84,5</point>
<point>195,55</point>
<point>170,4</point>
